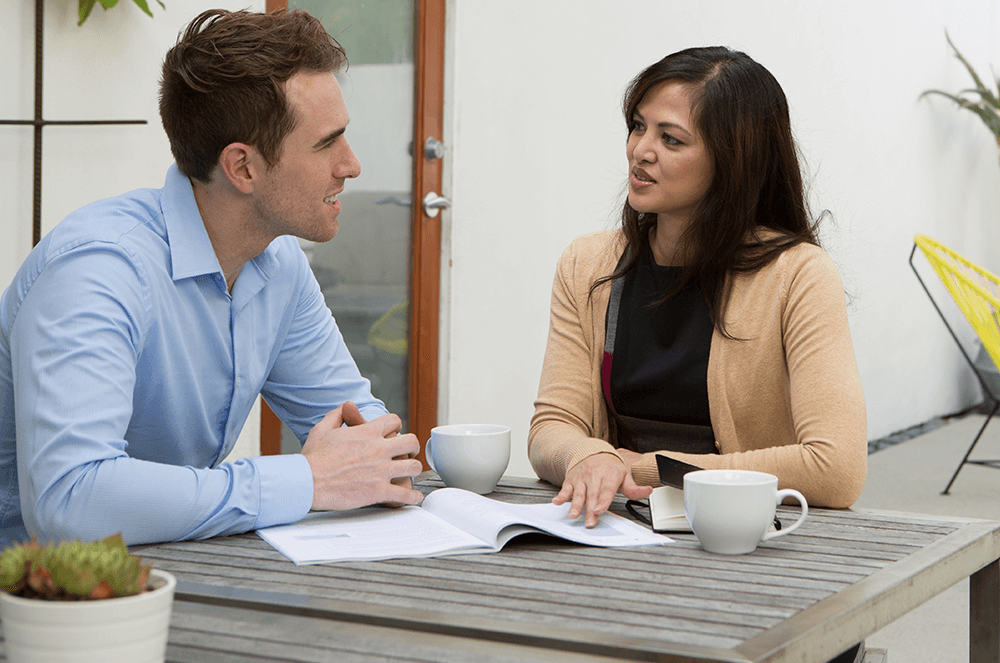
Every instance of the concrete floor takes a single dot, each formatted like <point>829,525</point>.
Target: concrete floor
<point>910,476</point>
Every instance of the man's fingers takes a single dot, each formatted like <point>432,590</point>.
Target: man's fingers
<point>333,420</point>
<point>409,468</point>
<point>405,446</point>
<point>391,425</point>
<point>404,482</point>
<point>399,496</point>
<point>351,415</point>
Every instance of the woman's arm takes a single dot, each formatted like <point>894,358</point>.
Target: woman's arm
<point>566,428</point>
<point>810,429</point>
<point>565,443</point>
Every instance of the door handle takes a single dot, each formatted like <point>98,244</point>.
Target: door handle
<point>433,203</point>
<point>433,149</point>
<point>402,202</point>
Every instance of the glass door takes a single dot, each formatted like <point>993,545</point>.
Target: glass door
<point>365,271</point>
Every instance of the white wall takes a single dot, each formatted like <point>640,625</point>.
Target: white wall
<point>536,157</point>
<point>108,68</point>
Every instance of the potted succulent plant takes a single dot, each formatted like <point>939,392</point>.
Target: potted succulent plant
<point>83,602</point>
<point>980,100</point>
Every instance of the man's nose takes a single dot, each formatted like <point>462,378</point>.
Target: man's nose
<point>348,165</point>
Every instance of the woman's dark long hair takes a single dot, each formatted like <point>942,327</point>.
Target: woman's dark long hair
<point>741,113</point>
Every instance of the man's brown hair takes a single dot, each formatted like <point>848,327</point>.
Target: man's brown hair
<point>224,82</point>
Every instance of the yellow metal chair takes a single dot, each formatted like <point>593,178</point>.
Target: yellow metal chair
<point>977,293</point>
<point>390,333</point>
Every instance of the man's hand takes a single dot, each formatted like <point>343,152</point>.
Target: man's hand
<point>593,482</point>
<point>352,417</point>
<point>356,465</point>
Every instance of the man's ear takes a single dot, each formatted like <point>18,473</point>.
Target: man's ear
<point>239,163</point>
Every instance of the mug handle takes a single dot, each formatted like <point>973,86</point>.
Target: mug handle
<point>782,494</point>
<point>427,454</point>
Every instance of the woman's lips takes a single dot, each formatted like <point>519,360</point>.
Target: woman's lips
<point>640,179</point>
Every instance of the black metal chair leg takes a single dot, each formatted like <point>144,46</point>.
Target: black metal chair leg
<point>996,406</point>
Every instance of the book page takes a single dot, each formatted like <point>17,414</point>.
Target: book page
<point>482,517</point>
<point>666,507</point>
<point>486,519</point>
<point>370,533</point>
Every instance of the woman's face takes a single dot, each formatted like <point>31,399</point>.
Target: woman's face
<point>670,169</point>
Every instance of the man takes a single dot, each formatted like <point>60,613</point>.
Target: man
<point>137,335</point>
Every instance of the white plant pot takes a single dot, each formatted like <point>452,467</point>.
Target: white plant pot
<point>131,629</point>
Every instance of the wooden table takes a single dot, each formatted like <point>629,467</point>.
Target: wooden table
<point>804,597</point>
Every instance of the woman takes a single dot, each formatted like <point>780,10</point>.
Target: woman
<point>711,327</point>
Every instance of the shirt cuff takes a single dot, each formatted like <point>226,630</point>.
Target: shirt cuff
<point>286,489</point>
<point>372,412</point>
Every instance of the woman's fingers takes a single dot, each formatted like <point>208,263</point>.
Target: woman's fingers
<point>565,494</point>
<point>591,485</point>
<point>601,498</point>
<point>580,491</point>
<point>634,491</point>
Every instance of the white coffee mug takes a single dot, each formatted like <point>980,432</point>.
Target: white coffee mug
<point>469,456</point>
<point>730,511</point>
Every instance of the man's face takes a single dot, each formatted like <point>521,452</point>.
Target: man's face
<point>298,195</point>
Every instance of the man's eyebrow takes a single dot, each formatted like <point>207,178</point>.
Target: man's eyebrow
<point>328,140</point>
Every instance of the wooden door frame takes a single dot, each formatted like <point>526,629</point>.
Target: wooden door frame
<point>425,287</point>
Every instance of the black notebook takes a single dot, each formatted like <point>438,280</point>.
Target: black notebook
<point>666,504</point>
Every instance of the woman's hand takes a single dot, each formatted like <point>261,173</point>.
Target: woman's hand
<point>593,482</point>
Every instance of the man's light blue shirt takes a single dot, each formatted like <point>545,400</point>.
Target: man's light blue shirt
<point>127,371</point>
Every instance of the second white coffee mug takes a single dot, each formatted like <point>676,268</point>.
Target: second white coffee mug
<point>469,456</point>
<point>730,511</point>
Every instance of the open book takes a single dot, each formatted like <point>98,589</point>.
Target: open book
<point>450,521</point>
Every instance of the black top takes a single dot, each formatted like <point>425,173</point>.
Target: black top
<point>660,367</point>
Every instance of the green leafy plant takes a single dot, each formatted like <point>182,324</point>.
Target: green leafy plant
<point>85,6</point>
<point>73,571</point>
<point>981,100</point>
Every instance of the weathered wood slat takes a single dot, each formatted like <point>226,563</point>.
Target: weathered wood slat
<point>338,579</point>
<point>673,598</point>
<point>211,633</point>
<point>531,568</point>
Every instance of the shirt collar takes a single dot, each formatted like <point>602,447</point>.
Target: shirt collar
<point>191,252</point>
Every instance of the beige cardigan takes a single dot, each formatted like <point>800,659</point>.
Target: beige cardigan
<point>787,400</point>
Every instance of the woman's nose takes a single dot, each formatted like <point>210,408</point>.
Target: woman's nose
<point>644,151</point>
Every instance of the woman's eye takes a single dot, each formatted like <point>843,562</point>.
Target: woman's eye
<point>670,140</point>
<point>635,126</point>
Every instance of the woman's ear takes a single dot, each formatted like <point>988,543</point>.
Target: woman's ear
<point>238,162</point>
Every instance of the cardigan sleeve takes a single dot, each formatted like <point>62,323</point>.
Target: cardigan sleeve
<point>827,402</point>
<point>566,427</point>
<point>810,429</point>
